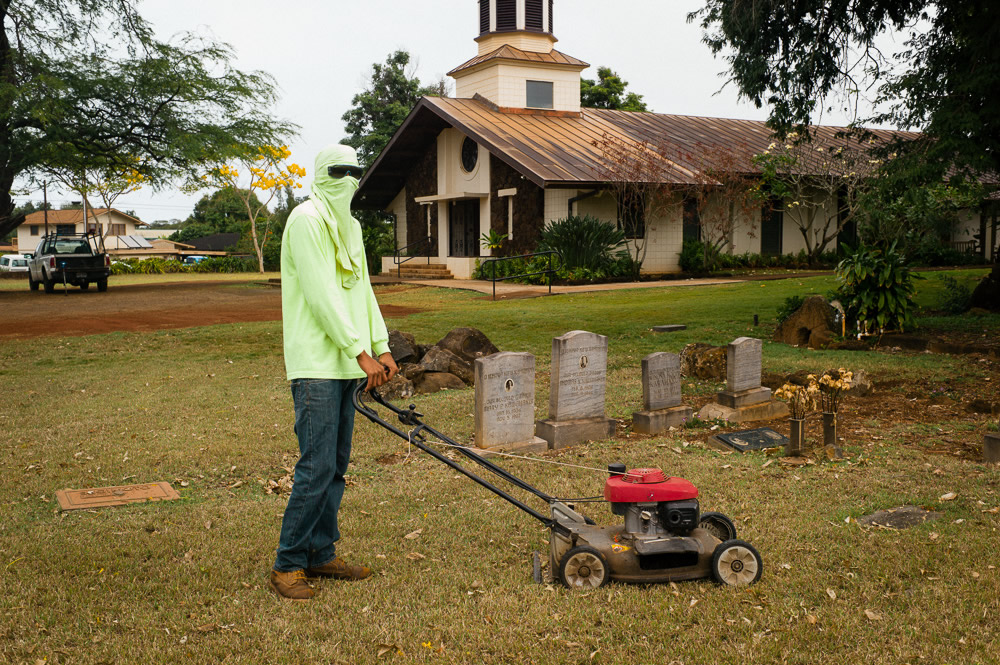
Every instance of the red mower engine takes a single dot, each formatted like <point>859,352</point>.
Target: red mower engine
<point>652,504</point>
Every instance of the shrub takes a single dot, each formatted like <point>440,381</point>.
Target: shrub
<point>584,242</point>
<point>789,307</point>
<point>876,287</point>
<point>692,256</point>
<point>957,297</point>
<point>226,264</point>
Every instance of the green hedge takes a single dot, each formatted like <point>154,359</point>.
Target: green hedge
<point>158,266</point>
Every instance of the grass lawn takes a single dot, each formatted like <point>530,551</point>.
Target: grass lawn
<point>208,410</point>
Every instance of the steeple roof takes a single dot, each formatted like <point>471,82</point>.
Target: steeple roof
<point>510,53</point>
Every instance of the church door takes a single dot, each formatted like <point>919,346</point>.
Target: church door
<point>771,218</point>
<point>463,228</point>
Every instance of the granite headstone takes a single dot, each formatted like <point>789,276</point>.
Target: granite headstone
<point>505,403</point>
<point>576,393</point>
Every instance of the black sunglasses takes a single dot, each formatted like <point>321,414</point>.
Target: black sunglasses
<point>341,170</point>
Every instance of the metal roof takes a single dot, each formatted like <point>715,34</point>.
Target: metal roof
<point>508,52</point>
<point>553,148</point>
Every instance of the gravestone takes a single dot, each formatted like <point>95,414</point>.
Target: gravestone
<point>576,393</point>
<point>661,395</point>
<point>744,399</point>
<point>743,371</point>
<point>991,447</point>
<point>505,403</point>
<point>100,497</point>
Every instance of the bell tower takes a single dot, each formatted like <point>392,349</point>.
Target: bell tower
<point>517,66</point>
<point>524,24</point>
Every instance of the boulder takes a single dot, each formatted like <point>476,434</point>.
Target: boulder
<point>431,382</point>
<point>399,387</point>
<point>815,324</point>
<point>422,350</point>
<point>403,347</point>
<point>468,344</point>
<point>987,293</point>
<point>443,360</point>
<point>412,371</point>
<point>704,361</point>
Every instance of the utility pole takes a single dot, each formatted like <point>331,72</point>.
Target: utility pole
<point>45,204</point>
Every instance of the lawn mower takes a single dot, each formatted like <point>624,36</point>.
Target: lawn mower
<point>664,537</point>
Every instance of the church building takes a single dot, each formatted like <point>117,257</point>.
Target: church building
<point>514,151</point>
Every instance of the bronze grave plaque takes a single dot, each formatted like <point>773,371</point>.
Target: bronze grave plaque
<point>100,497</point>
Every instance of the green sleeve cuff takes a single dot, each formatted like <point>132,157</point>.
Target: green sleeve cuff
<point>354,350</point>
<point>381,347</point>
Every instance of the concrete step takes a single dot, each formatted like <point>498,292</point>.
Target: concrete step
<point>425,271</point>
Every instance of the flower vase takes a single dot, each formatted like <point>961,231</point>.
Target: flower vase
<point>830,428</point>
<point>797,438</point>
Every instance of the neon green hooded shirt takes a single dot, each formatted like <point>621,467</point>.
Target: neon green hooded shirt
<point>328,310</point>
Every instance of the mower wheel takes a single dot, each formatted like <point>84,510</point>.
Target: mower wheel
<point>718,525</point>
<point>736,563</point>
<point>584,568</point>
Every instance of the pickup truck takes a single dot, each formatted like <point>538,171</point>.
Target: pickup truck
<point>69,259</point>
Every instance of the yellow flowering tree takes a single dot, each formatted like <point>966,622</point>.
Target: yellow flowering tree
<point>257,180</point>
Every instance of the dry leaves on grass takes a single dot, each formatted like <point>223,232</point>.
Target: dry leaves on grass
<point>873,616</point>
<point>413,535</point>
<point>282,485</point>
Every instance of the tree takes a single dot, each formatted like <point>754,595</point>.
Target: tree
<point>726,199</point>
<point>268,173</point>
<point>795,56</point>
<point>391,93</point>
<point>378,111</point>
<point>85,84</point>
<point>105,185</point>
<point>608,92</point>
<point>820,187</point>
<point>638,174</point>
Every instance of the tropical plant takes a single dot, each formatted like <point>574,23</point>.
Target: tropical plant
<point>957,297</point>
<point>583,242</point>
<point>876,288</point>
<point>493,240</point>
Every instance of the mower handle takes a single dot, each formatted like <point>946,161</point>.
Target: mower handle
<point>410,416</point>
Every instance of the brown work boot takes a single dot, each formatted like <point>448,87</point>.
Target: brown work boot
<point>291,585</point>
<point>339,570</point>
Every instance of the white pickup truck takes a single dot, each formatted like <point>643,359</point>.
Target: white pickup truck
<point>67,259</point>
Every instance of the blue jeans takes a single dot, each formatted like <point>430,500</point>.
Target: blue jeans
<point>324,423</point>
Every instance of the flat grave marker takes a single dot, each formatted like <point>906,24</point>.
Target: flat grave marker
<point>101,497</point>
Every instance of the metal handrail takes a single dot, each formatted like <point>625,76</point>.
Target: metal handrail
<point>493,271</point>
<point>399,253</point>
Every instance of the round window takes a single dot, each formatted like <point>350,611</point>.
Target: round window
<point>470,155</point>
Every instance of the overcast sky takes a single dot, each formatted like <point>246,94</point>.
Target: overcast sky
<point>320,52</point>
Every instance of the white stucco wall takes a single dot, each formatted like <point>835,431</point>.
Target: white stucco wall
<point>505,84</point>
<point>398,209</point>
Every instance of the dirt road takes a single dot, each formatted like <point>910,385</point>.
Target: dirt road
<point>143,307</point>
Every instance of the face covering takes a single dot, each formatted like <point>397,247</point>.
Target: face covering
<point>332,198</point>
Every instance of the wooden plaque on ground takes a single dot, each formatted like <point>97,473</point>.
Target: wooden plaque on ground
<point>100,497</point>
